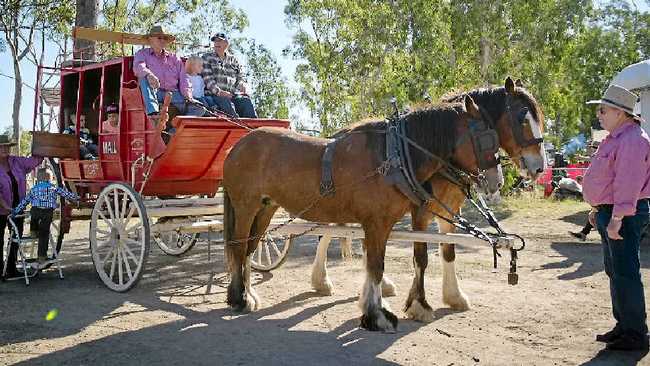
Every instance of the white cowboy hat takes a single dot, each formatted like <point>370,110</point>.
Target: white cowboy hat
<point>620,98</point>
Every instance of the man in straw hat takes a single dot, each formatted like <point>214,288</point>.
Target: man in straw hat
<point>160,72</point>
<point>13,177</point>
<point>617,186</point>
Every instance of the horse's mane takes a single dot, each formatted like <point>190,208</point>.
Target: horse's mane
<point>432,126</point>
<point>491,100</point>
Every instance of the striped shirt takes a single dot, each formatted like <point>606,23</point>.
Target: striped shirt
<point>221,73</point>
<point>44,195</point>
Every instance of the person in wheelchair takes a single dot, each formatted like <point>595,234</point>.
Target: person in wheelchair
<point>43,198</point>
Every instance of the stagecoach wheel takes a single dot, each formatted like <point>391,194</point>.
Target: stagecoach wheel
<point>271,252</point>
<point>119,237</point>
<point>174,242</point>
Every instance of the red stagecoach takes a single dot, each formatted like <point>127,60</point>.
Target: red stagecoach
<point>129,195</point>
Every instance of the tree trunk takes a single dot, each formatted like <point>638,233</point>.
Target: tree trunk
<point>18,97</point>
<point>86,17</point>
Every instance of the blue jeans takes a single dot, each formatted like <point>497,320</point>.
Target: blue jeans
<point>238,106</point>
<point>153,96</point>
<point>623,268</point>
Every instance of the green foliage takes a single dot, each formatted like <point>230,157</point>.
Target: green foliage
<point>359,53</point>
<point>25,145</point>
<point>192,21</point>
<point>270,91</point>
<point>510,178</point>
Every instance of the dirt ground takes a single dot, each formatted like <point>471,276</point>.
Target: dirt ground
<point>549,318</point>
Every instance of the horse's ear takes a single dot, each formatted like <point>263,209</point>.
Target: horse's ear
<point>510,85</point>
<point>519,83</point>
<point>470,106</point>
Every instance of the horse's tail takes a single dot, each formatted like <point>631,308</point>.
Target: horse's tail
<point>228,223</point>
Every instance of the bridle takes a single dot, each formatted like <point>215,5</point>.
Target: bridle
<point>517,125</point>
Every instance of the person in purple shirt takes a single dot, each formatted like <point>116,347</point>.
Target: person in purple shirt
<point>617,186</point>
<point>160,71</point>
<point>13,176</point>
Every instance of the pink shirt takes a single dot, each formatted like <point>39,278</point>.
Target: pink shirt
<point>620,170</point>
<point>168,68</point>
<point>20,167</point>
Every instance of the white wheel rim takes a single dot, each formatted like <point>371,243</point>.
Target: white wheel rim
<point>269,253</point>
<point>117,237</point>
<point>175,243</point>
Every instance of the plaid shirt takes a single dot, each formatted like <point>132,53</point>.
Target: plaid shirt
<point>44,195</point>
<point>221,74</point>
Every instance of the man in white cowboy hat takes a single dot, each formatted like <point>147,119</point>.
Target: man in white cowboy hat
<point>160,72</point>
<point>617,186</point>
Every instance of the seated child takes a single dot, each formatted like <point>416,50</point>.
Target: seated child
<point>111,124</point>
<point>194,67</point>
<point>43,198</point>
<point>87,147</point>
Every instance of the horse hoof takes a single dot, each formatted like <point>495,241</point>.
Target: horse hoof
<point>419,312</point>
<point>388,288</point>
<point>324,288</point>
<point>458,302</point>
<point>380,320</point>
<point>247,303</point>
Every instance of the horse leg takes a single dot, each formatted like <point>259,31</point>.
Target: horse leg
<point>388,288</point>
<point>417,307</point>
<point>320,281</point>
<point>376,315</point>
<point>346,247</point>
<point>260,224</point>
<point>452,295</point>
<point>237,227</point>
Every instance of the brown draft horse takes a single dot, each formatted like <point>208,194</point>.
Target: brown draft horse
<point>518,120</point>
<point>272,167</point>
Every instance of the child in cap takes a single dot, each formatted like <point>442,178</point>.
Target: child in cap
<point>43,198</point>
<point>111,124</point>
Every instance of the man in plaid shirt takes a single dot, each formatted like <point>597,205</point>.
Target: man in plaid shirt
<point>225,85</point>
<point>43,198</point>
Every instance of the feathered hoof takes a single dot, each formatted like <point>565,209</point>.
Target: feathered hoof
<point>379,320</point>
<point>419,312</point>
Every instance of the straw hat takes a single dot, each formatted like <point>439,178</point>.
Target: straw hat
<point>158,31</point>
<point>5,140</point>
<point>620,98</point>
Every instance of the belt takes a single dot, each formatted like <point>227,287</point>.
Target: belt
<point>609,206</point>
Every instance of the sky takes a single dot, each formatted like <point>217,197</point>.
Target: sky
<point>267,26</point>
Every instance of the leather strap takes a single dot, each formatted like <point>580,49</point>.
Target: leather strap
<point>327,182</point>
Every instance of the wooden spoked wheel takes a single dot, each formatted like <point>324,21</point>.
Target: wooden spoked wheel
<point>119,237</point>
<point>174,242</point>
<point>271,252</point>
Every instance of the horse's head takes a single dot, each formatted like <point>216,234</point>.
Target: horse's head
<point>477,146</point>
<point>520,127</point>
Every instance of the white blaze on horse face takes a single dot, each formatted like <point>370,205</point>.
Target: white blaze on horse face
<point>533,163</point>
<point>495,180</point>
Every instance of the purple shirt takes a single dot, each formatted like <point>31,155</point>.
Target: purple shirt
<point>167,67</point>
<point>20,167</point>
<point>620,170</point>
